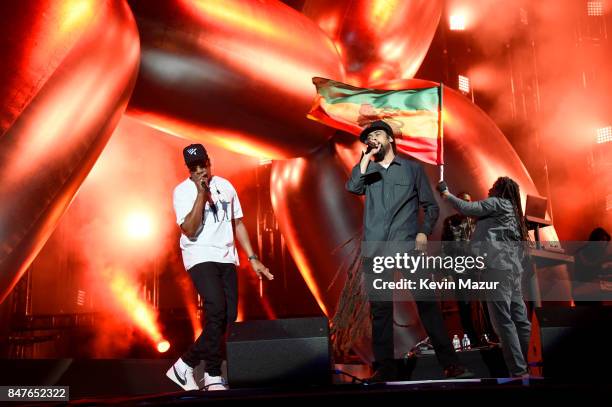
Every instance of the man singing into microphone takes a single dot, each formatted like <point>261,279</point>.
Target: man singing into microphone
<point>207,210</point>
<point>394,189</point>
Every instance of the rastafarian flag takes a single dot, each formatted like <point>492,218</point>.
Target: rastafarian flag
<point>413,114</point>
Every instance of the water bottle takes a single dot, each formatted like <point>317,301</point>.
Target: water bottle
<point>456,343</point>
<point>465,343</point>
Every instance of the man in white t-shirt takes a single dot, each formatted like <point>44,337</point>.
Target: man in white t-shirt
<point>208,211</point>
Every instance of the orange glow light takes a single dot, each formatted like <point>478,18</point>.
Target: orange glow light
<point>76,14</point>
<point>310,279</point>
<point>163,346</point>
<point>297,171</point>
<point>330,24</point>
<point>230,14</point>
<point>457,22</point>
<point>230,140</point>
<point>138,225</point>
<point>377,74</point>
<point>381,12</point>
<point>140,312</point>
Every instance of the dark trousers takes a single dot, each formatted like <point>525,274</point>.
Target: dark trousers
<point>509,318</point>
<point>431,318</point>
<point>474,314</point>
<point>466,315</point>
<point>217,284</point>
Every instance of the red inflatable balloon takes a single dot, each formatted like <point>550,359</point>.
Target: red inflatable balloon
<point>378,40</point>
<point>236,73</point>
<point>67,71</point>
<point>316,216</point>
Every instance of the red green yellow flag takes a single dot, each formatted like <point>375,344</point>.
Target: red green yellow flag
<point>413,114</point>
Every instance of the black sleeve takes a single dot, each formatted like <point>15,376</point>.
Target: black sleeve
<point>356,183</point>
<point>427,202</point>
<point>477,208</point>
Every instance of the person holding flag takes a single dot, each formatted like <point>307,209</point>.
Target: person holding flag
<point>500,235</point>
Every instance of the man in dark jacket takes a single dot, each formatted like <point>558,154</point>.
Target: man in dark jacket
<point>395,189</point>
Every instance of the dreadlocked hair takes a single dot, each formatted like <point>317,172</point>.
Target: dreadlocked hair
<point>507,188</point>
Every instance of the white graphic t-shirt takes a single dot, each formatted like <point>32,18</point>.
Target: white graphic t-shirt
<point>214,240</point>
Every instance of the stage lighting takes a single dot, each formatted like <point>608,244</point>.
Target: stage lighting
<point>604,135</point>
<point>457,22</point>
<point>464,84</point>
<point>609,202</point>
<point>595,8</point>
<point>163,346</point>
<point>138,225</point>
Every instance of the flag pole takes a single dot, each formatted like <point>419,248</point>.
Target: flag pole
<point>441,132</point>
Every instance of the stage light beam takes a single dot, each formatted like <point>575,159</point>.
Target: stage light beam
<point>141,313</point>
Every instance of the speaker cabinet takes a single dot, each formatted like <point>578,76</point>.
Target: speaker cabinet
<point>575,342</point>
<point>279,352</point>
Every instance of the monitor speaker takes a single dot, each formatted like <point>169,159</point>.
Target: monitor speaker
<point>278,352</point>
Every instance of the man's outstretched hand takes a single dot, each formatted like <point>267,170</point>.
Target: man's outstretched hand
<point>261,270</point>
<point>421,242</point>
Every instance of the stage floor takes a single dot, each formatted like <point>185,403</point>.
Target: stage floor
<point>143,382</point>
<point>432,392</point>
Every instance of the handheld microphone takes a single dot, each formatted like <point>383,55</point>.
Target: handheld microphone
<point>370,148</point>
<point>205,185</point>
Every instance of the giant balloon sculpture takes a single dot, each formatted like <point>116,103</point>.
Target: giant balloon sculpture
<point>236,73</point>
<point>68,70</point>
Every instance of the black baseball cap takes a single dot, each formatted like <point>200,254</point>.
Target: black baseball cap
<point>375,125</point>
<point>195,153</point>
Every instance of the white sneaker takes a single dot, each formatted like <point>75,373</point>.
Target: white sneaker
<point>182,374</point>
<point>213,383</point>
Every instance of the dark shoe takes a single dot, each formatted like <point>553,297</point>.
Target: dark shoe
<point>457,372</point>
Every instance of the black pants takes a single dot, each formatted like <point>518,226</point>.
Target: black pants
<point>218,286</point>
<point>431,318</point>
<point>473,313</point>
